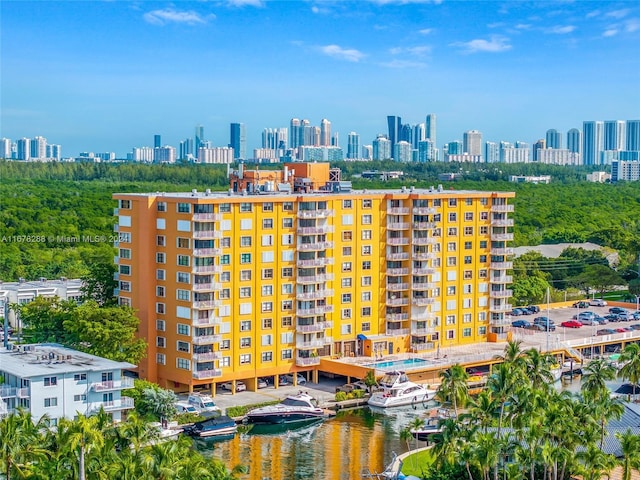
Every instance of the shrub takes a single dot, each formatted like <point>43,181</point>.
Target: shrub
<point>341,397</point>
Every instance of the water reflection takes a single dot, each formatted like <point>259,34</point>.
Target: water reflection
<point>336,449</point>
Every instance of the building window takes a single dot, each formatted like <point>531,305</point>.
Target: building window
<point>183,277</point>
<point>162,206</point>
<point>287,206</point>
<point>484,215</point>
<point>484,230</point>
<point>79,377</point>
<point>453,217</point>
<point>51,402</point>
<point>80,398</point>
<point>466,318</point>
<point>366,234</point>
<point>346,266</point>
<point>160,308</point>
<point>287,305</point>
<point>286,321</point>
<point>287,288</point>
<point>366,296</point>
<point>483,259</point>
<point>482,330</point>
<point>466,332</point>
<point>346,298</point>
<point>451,290</point>
<point>160,325</point>
<point>225,208</point>
<point>366,326</point>
<point>482,273</point>
<point>483,244</point>
<point>183,364</point>
<point>183,329</point>
<point>287,272</point>
<point>346,251</point>
<point>346,313</point>
<point>366,203</point>
<point>346,281</point>
<point>366,311</point>
<point>468,245</point>
<point>366,281</point>
<point>453,202</point>
<point>161,359</point>
<point>451,247</point>
<point>245,258</point>
<point>225,344</point>
<point>451,261</point>
<point>183,242</point>
<point>161,342</point>
<point>267,207</point>
<point>468,216</point>
<point>184,207</point>
<point>160,257</point>
<point>287,222</point>
<point>366,219</point>
<point>245,359</point>
<point>267,223</point>
<point>467,260</point>
<point>184,295</point>
<point>451,334</point>
<point>225,277</point>
<point>245,326</point>
<point>267,323</point>
<point>267,273</point>
<point>366,250</point>
<point>287,354</point>
<point>225,242</point>
<point>245,292</point>
<point>450,320</point>
<point>245,342</point>
<point>50,381</point>
<point>452,232</point>
<point>347,236</point>
<point>125,270</point>
<point>182,346</point>
<point>183,260</point>
<point>267,307</point>
<point>267,290</point>
<point>468,274</point>
<point>468,230</point>
<point>246,207</point>
<point>267,356</point>
<point>245,241</point>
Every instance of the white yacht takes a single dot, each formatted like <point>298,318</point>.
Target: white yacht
<point>294,408</point>
<point>397,390</point>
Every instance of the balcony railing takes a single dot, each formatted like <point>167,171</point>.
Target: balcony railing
<point>397,287</point>
<point>207,287</point>
<point>423,225</point>
<point>501,265</point>
<point>398,256</point>
<point>424,255</point>
<point>212,217</point>
<point>398,241</point>
<point>422,285</point>
<point>423,271</point>
<point>207,252</point>
<point>207,357</point>
<point>506,222</point>
<point>398,331</point>
<point>501,293</point>
<point>422,301</point>
<point>502,251</point>
<point>206,269</point>
<point>305,312</point>
<point>501,279</point>
<point>202,374</point>
<point>315,213</point>
<point>314,295</point>
<point>206,339</point>
<point>207,234</point>
<point>315,328</point>
<point>398,210</point>
<point>421,317</point>
<point>423,241</point>
<point>500,322</point>
<point>315,262</point>
<point>504,307</point>
<point>315,343</point>
<point>398,226</point>
<point>318,230</point>
<point>422,331</point>
<point>124,403</point>
<point>420,347</point>
<point>204,304</point>
<point>307,361</point>
<point>502,208</point>
<point>124,382</point>
<point>398,272</point>
<point>502,237</point>
<point>397,317</point>
<point>309,279</point>
<point>316,246</point>
<point>397,302</point>
<point>209,321</point>
<point>424,211</point>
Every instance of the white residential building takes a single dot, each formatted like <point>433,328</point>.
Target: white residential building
<point>49,379</point>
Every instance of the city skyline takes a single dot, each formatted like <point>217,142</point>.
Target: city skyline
<point>160,68</point>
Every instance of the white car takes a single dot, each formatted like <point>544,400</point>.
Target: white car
<point>262,383</point>
<point>184,407</point>
<point>301,379</point>
<point>203,402</point>
<point>598,302</point>
<point>240,386</point>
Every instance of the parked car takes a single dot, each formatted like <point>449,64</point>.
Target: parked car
<point>517,312</point>
<point>543,321</point>
<point>534,308</point>
<point>635,326</point>
<point>601,320</point>
<point>581,305</point>
<point>605,331</point>
<point>520,324</point>
<point>571,324</point>
<point>300,380</point>
<point>617,310</point>
<point>240,386</point>
<point>589,315</point>
<point>588,321</point>
<point>625,316</point>
<point>203,402</point>
<point>262,383</point>
<point>598,302</point>
<point>526,311</point>
<point>184,407</point>
<point>636,315</point>
<point>612,317</point>
<point>539,328</point>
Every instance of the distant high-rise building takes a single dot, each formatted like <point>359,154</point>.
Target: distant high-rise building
<point>335,139</point>
<point>23,149</point>
<point>325,133</point>
<point>186,149</point>
<point>275,138</point>
<point>430,128</point>
<point>295,133</point>
<point>310,134</point>
<point>574,140</point>
<point>5,148</point>
<point>222,155</point>
<point>143,154</point>
<point>381,148</point>
<point>518,153</point>
<point>472,142</point>
<point>539,145</point>
<point>199,138</point>
<point>406,133</point>
<point>592,142</point>
<point>633,135</point>
<point>353,145</point>
<point>426,151</point>
<point>615,135</point>
<point>38,148</point>
<point>164,154</point>
<point>419,135</point>
<point>553,139</point>
<point>54,152</point>
<point>238,141</point>
<point>394,125</point>
<point>491,152</point>
<point>157,141</point>
<point>455,148</point>
<point>402,151</point>
<point>367,152</point>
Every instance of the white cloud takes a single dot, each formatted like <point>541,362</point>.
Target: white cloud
<point>496,44</point>
<point>425,31</point>
<point>405,2</point>
<point>336,51</point>
<point>561,29</point>
<point>417,51</point>
<point>618,13</point>
<point>594,13</point>
<point>523,26</point>
<point>396,63</point>
<point>632,25</point>
<point>245,3</point>
<point>496,25</point>
<point>169,15</point>
<point>610,32</point>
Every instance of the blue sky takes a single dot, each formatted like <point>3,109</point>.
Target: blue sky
<point>108,75</point>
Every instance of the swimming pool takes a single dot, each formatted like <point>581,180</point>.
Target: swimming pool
<point>406,363</point>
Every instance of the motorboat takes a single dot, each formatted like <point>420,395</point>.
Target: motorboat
<point>396,390</point>
<point>294,408</point>
<point>162,431</point>
<point>214,426</point>
<point>432,425</point>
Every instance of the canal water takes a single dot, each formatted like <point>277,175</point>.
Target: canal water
<point>339,448</point>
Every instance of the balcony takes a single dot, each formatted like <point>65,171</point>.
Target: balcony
<point>502,208</point>
<point>423,241</point>
<point>7,391</point>
<point>310,279</point>
<point>397,272</point>
<point>307,344</point>
<point>398,211</point>
<point>203,374</point>
<point>398,331</point>
<point>315,213</point>
<point>397,302</point>
<point>502,251</point>
<point>206,304</point>
<point>314,328</point>
<point>307,312</point>
<point>324,293</point>
<point>207,269</point>
<point>424,256</point>
<point>421,332</point>
<point>398,226</point>
<point>315,262</point>
<point>206,252</point>
<point>397,317</point>
<point>124,382</point>
<point>316,246</point>
<point>422,286</point>
<point>318,230</point>
<point>124,403</point>
<point>206,339</point>
<point>498,322</point>
<point>423,271</point>
<point>502,237</point>
<point>422,301</point>
<point>501,293</point>
<point>501,279</point>
<point>423,225</point>
<point>422,316</point>
<point>210,321</point>
<point>398,241</point>
<point>504,307</point>
<point>207,287</point>
<point>505,222</point>
<point>421,347</point>
<point>307,361</point>
<point>398,256</point>
<point>208,234</point>
<point>501,265</point>
<point>424,211</point>
<point>207,357</point>
<point>212,217</point>
<point>397,287</point>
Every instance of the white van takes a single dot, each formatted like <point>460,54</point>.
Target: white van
<point>203,402</point>
<point>184,407</point>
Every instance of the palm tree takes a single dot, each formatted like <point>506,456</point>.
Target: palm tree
<point>20,443</point>
<point>82,435</point>
<point>453,387</point>
<point>595,463</point>
<point>483,409</point>
<point>596,374</point>
<point>630,370</point>
<point>630,445</point>
<point>512,352</point>
<point>537,367</point>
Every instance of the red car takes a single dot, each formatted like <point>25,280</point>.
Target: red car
<point>571,324</point>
